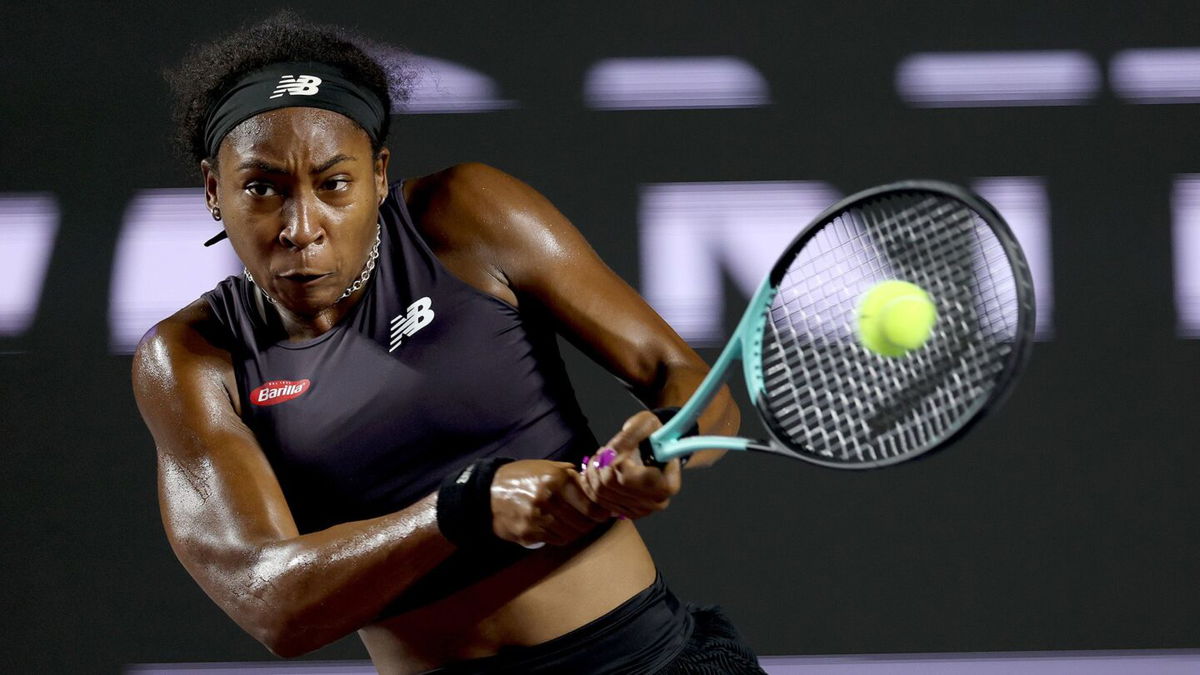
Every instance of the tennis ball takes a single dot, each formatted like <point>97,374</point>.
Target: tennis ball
<point>895,317</point>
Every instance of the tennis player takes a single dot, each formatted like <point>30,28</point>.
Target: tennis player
<point>371,429</point>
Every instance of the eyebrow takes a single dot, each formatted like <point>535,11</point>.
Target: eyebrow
<point>267,167</point>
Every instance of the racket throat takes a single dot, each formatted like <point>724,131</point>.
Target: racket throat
<point>746,344</point>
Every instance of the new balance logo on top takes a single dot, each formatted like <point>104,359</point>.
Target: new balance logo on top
<point>296,85</point>
<point>419,314</point>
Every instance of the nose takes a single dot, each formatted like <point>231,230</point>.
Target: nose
<point>302,224</point>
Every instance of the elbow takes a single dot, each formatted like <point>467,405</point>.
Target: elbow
<point>286,639</point>
<point>285,648</point>
<point>258,589</point>
<point>270,629</point>
<point>277,624</point>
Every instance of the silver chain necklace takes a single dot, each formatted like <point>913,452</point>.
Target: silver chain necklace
<point>358,283</point>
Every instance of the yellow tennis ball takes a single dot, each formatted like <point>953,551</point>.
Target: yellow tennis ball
<point>895,317</point>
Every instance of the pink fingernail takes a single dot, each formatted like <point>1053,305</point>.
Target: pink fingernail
<point>583,465</point>
<point>607,455</point>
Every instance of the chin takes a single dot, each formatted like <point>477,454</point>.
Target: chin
<point>307,304</point>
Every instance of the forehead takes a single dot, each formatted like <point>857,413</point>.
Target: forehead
<point>295,134</point>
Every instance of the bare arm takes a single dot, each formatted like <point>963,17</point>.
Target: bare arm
<point>229,524</point>
<point>534,253</point>
<point>503,237</point>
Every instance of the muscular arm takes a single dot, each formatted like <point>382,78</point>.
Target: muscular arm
<point>227,519</point>
<point>534,253</point>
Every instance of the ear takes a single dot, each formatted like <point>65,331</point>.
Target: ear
<point>381,177</point>
<point>209,172</point>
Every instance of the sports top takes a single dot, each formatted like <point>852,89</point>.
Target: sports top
<point>423,376</point>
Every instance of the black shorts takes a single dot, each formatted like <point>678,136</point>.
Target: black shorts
<point>652,632</point>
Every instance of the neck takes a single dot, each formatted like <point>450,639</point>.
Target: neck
<point>305,327</point>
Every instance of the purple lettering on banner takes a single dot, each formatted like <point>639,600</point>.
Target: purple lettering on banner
<point>1156,75</point>
<point>1185,234</point>
<point>693,233</point>
<point>28,224</point>
<point>664,83</point>
<point>993,79</point>
<point>437,85</point>
<point>1025,206</point>
<point>160,263</point>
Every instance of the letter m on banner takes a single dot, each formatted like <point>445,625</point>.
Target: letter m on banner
<point>693,234</point>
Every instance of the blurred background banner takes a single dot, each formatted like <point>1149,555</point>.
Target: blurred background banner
<point>668,130</point>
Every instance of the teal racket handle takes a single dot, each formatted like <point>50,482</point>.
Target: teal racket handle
<point>648,457</point>
<point>664,415</point>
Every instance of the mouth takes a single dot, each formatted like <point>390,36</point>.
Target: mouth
<point>303,277</point>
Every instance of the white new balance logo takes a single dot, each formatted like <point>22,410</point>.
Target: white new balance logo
<point>419,314</point>
<point>297,85</point>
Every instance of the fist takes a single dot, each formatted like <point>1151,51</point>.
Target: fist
<point>537,501</point>
<point>617,480</point>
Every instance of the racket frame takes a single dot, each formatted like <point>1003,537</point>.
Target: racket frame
<point>666,443</point>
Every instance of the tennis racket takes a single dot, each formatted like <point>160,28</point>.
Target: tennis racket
<point>823,396</point>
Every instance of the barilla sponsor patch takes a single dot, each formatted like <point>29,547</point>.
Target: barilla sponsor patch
<point>278,391</point>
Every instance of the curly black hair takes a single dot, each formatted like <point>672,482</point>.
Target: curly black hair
<point>211,68</point>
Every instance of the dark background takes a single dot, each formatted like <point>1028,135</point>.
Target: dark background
<point>1067,521</point>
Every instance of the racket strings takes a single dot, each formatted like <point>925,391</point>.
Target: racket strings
<point>826,395</point>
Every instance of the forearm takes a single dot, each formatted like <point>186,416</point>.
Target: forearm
<point>301,593</point>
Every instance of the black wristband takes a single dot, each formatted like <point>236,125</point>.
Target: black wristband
<point>464,504</point>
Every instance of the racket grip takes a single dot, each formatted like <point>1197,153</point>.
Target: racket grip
<point>648,455</point>
<point>664,415</point>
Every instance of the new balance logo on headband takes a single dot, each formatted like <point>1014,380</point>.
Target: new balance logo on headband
<point>296,85</point>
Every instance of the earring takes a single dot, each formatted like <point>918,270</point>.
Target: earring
<point>216,213</point>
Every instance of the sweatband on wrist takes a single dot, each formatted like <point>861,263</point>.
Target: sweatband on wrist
<point>464,503</point>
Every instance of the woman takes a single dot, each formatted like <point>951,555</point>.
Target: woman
<point>331,426</point>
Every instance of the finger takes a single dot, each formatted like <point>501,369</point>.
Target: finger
<point>590,481</point>
<point>564,509</point>
<point>577,497</point>
<point>649,483</point>
<point>565,524</point>
<point>635,429</point>
<point>673,472</point>
<point>620,500</point>
<point>641,488</point>
<point>638,498</point>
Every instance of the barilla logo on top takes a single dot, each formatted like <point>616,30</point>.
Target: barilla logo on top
<point>278,391</point>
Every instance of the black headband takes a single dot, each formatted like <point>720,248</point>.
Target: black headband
<point>290,85</point>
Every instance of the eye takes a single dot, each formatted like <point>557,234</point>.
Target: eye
<point>260,189</point>
<point>339,183</point>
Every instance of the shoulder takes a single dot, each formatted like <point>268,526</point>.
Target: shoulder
<point>473,188</point>
<point>184,350</point>
<point>499,219</point>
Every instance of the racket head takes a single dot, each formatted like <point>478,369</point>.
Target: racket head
<point>825,398</point>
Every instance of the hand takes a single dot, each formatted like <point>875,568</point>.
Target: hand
<point>625,486</point>
<point>536,501</point>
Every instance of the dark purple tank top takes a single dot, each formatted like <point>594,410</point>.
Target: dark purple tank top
<point>425,374</point>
